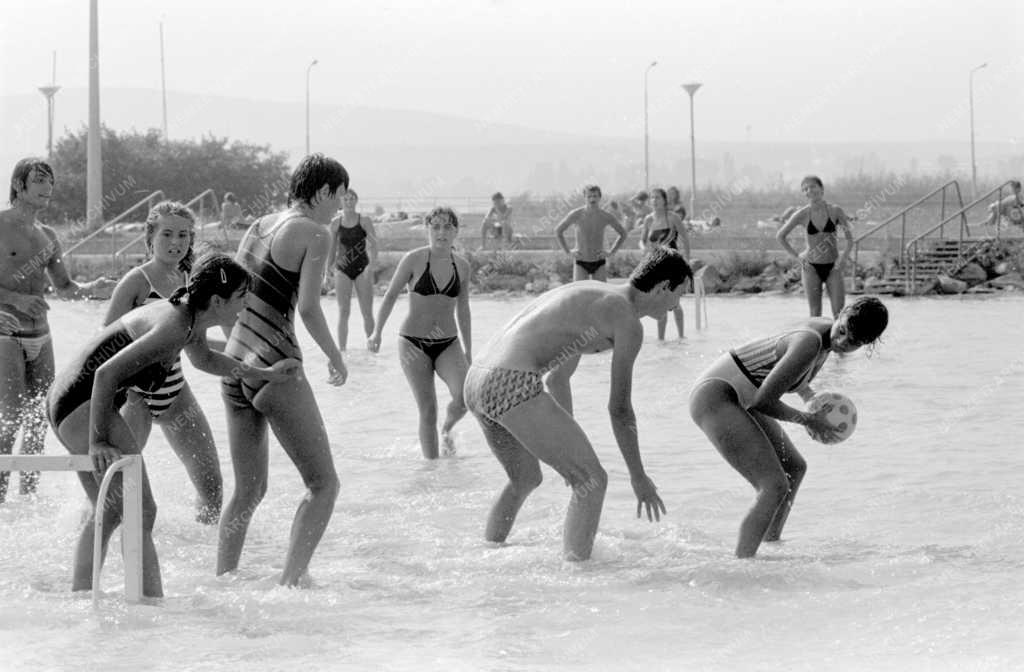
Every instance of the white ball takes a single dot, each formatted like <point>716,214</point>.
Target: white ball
<point>840,412</point>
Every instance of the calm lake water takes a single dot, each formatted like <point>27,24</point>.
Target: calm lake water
<point>903,552</point>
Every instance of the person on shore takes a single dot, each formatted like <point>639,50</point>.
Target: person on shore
<point>527,420</point>
<point>589,255</point>
<point>287,253</point>
<point>641,208</point>
<point>497,223</point>
<point>663,227</point>
<point>353,257</point>
<point>30,253</point>
<point>230,214</point>
<point>1010,208</point>
<point>170,236</point>
<point>821,262</point>
<point>737,403</point>
<point>438,282</point>
<point>137,351</point>
<point>675,203</point>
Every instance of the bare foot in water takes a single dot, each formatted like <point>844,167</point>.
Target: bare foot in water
<point>448,443</point>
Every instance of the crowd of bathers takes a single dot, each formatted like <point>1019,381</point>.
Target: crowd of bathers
<point>127,378</point>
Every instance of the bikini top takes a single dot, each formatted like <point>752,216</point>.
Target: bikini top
<point>427,286</point>
<point>153,294</point>
<point>829,227</point>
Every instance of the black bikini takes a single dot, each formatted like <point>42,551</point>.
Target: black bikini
<point>590,266</point>
<point>822,269</point>
<point>427,286</point>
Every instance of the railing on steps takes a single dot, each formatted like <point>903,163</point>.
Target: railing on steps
<point>901,217</point>
<point>910,250</point>
<point>147,202</point>
<point>201,216</point>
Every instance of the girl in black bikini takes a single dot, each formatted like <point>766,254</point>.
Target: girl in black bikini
<point>664,227</point>
<point>429,343</point>
<point>138,351</point>
<point>170,234</point>
<point>821,261</point>
<point>354,248</point>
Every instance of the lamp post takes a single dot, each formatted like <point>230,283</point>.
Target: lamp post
<point>49,92</point>
<point>691,89</point>
<point>94,155</point>
<point>312,63</point>
<point>974,166</point>
<point>163,81</point>
<point>647,164</point>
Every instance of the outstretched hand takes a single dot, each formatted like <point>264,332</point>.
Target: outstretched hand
<point>373,342</point>
<point>647,496</point>
<point>103,455</point>
<point>820,428</point>
<point>336,376</point>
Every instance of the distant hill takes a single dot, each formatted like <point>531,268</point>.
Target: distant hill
<point>411,153</point>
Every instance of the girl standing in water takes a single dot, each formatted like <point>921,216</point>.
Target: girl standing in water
<point>438,282</point>
<point>353,257</point>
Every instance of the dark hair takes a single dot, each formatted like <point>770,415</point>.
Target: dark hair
<point>866,319</point>
<point>661,263</point>
<point>813,179</point>
<point>1015,184</point>
<point>659,191</point>
<point>24,168</point>
<point>172,209</point>
<point>643,196</point>
<point>442,211</point>
<point>214,274</point>
<point>312,173</point>
<point>229,197</point>
<point>496,195</point>
<point>587,188</point>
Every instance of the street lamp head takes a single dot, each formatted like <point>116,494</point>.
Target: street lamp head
<point>653,63</point>
<point>692,88</point>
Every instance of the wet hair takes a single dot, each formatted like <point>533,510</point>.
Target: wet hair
<point>587,188</point>
<point>813,179</point>
<point>229,197</point>
<point>312,173</point>
<point>172,209</point>
<point>496,195</point>
<point>22,170</point>
<point>442,211</point>
<point>661,263</point>
<point>658,191</point>
<point>643,196</point>
<point>214,274</point>
<point>1015,184</point>
<point>866,319</point>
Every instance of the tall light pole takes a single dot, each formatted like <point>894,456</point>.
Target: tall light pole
<point>692,89</point>
<point>312,63</point>
<point>50,91</point>
<point>163,80</point>
<point>974,166</point>
<point>94,157</point>
<point>647,163</point>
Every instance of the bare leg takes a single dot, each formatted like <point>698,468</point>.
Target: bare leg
<point>451,367</point>
<point>295,418</point>
<point>12,397</point>
<point>189,434</point>
<point>420,373</point>
<point>677,315</point>
<point>578,273</point>
<point>524,476</point>
<point>343,289</point>
<point>247,439</point>
<point>601,273</point>
<point>793,464</point>
<point>74,434</point>
<point>364,294</point>
<point>812,287</point>
<point>550,434</point>
<point>836,286</point>
<point>744,445</point>
<point>559,383</point>
<point>38,378</point>
<point>662,323</point>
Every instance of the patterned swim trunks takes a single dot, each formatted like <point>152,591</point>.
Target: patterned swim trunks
<point>494,392</point>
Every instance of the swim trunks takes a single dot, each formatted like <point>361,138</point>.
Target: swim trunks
<point>590,266</point>
<point>493,392</point>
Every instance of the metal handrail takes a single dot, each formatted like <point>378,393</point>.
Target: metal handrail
<point>911,247</point>
<point>119,254</point>
<point>146,201</point>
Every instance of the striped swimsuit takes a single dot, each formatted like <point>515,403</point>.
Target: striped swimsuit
<point>265,331</point>
<point>159,400</point>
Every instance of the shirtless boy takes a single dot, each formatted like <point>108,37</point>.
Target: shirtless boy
<point>590,221</point>
<point>526,422</point>
<point>29,252</point>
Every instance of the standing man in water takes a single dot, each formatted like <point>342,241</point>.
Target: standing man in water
<point>29,252</point>
<point>590,220</point>
<point>527,419</point>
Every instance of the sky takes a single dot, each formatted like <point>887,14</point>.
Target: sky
<point>772,70</point>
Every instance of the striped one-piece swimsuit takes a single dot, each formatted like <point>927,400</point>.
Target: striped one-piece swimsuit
<point>265,331</point>
<point>159,400</point>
